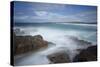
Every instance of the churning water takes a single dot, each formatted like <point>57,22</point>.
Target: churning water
<point>63,37</point>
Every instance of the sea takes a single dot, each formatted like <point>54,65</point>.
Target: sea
<point>62,37</point>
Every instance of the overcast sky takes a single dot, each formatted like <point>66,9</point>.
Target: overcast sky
<point>46,12</point>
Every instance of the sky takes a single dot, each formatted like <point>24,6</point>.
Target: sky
<point>36,12</point>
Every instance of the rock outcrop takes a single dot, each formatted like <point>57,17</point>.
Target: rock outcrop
<point>25,44</point>
<point>89,54</point>
<point>59,57</point>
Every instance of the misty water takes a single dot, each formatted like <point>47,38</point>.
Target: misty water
<point>63,37</point>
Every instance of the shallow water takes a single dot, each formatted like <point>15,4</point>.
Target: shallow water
<point>63,36</point>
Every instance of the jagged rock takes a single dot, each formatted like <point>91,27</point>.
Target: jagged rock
<point>79,41</point>
<point>58,57</point>
<point>85,43</point>
<point>28,43</point>
<point>89,54</point>
<point>51,44</point>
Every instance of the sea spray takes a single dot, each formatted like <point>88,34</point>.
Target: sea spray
<point>63,38</point>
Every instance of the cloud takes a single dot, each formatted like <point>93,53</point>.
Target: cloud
<point>82,14</point>
<point>21,17</point>
<point>47,16</point>
<point>47,7</point>
<point>88,16</point>
<point>54,17</point>
<point>41,13</point>
<point>44,16</point>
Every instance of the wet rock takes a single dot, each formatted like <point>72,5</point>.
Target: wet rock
<point>58,57</point>
<point>83,42</point>
<point>73,38</point>
<point>51,44</point>
<point>89,54</point>
<point>38,41</point>
<point>79,41</point>
<point>25,44</point>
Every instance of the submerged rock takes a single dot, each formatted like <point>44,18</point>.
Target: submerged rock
<point>79,41</point>
<point>51,43</point>
<point>59,57</point>
<point>85,43</point>
<point>24,44</point>
<point>89,54</point>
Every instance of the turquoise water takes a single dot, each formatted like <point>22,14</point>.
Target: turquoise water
<point>65,37</point>
<point>84,31</point>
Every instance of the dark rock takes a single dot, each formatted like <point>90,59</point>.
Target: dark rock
<point>79,41</point>
<point>83,42</point>
<point>38,41</point>
<point>38,37</point>
<point>59,57</point>
<point>89,54</point>
<point>73,38</point>
<point>51,43</point>
<point>23,44</point>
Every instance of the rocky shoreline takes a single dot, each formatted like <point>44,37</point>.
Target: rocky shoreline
<point>59,57</point>
<point>89,54</point>
<point>24,44</point>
